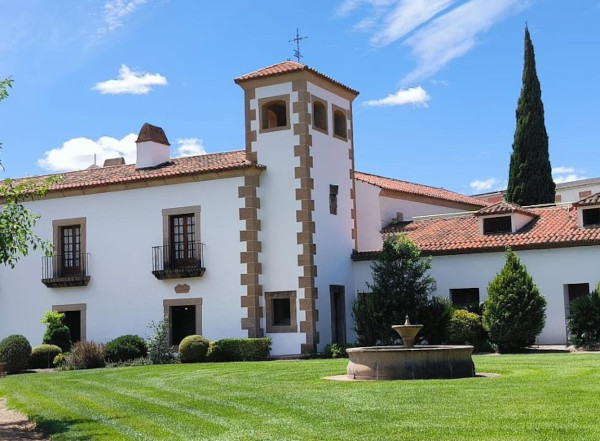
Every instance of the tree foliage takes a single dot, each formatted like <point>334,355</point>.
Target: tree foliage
<point>530,176</point>
<point>514,311</point>
<point>16,221</point>
<point>57,333</point>
<point>584,321</point>
<point>400,287</point>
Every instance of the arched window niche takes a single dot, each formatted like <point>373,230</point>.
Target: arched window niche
<point>319,114</point>
<point>274,114</point>
<point>340,123</point>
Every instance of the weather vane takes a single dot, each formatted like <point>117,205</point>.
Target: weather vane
<point>297,40</point>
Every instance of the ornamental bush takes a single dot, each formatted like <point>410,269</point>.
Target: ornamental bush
<point>85,355</point>
<point>57,333</point>
<point>514,311</point>
<point>584,321</point>
<point>42,356</point>
<point>215,353</point>
<point>193,349</point>
<point>159,350</point>
<point>466,328</point>
<point>245,349</point>
<point>15,351</point>
<point>125,348</point>
<point>435,317</point>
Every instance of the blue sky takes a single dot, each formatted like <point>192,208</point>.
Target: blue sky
<point>438,79</point>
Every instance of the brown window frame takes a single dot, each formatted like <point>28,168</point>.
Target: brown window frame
<point>263,108</point>
<point>58,228</point>
<point>270,311</point>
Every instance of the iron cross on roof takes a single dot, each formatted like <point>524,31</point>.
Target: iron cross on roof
<point>297,40</point>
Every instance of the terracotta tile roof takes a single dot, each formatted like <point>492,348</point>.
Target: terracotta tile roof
<point>553,227</point>
<point>178,167</point>
<point>418,189</point>
<point>588,201</point>
<point>284,68</point>
<point>503,207</point>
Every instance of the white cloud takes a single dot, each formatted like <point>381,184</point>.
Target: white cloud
<point>414,95</point>
<point>436,31</point>
<point>453,34</point>
<point>407,16</point>
<point>566,174</point>
<point>130,82</point>
<point>484,185</point>
<point>190,147</point>
<point>562,170</point>
<point>78,153</point>
<point>116,11</point>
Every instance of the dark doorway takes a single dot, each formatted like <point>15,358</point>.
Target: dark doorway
<point>338,314</point>
<point>183,322</point>
<point>73,321</point>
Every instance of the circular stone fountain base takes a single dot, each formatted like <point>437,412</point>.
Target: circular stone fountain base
<point>420,362</point>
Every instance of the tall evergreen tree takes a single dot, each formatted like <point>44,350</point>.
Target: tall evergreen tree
<point>530,176</point>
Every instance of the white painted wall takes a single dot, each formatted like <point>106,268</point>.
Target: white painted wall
<point>571,194</point>
<point>123,296</point>
<point>333,233</point>
<point>551,270</point>
<point>278,206</point>
<point>368,216</point>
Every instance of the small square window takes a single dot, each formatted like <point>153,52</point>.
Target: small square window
<point>463,297</point>
<point>494,225</point>
<point>591,216</point>
<point>281,311</point>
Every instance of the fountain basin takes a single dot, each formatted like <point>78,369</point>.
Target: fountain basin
<point>400,363</point>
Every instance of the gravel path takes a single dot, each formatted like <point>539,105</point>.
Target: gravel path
<point>15,426</point>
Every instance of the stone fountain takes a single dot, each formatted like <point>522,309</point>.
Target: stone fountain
<point>410,362</point>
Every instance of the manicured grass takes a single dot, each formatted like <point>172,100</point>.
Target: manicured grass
<point>536,397</point>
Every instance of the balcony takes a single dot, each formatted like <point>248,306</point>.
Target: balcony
<point>63,271</point>
<point>178,262</point>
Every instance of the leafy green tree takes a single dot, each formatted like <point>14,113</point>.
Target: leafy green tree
<point>530,176</point>
<point>514,311</point>
<point>400,287</point>
<point>16,221</point>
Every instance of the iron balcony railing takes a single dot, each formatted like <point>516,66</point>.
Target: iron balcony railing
<point>179,260</point>
<point>65,270</point>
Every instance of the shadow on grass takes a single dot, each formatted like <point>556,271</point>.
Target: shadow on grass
<point>54,427</point>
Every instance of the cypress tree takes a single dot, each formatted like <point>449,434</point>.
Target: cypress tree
<point>530,176</point>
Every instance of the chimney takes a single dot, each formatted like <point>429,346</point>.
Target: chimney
<point>153,148</point>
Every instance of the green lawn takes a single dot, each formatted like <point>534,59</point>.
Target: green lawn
<point>536,397</point>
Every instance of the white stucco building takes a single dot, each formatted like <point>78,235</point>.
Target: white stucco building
<point>256,242</point>
<point>559,244</point>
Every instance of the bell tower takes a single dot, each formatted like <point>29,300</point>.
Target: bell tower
<point>299,125</point>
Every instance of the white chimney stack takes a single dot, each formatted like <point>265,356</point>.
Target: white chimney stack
<point>153,148</point>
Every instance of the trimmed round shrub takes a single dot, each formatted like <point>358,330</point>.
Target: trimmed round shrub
<point>42,356</point>
<point>215,353</point>
<point>125,348</point>
<point>467,328</point>
<point>193,349</point>
<point>584,321</point>
<point>15,351</point>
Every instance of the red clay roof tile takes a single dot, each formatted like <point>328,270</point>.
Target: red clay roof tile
<point>503,207</point>
<point>418,189</point>
<point>554,227</point>
<point>588,201</point>
<point>284,68</point>
<point>122,174</point>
